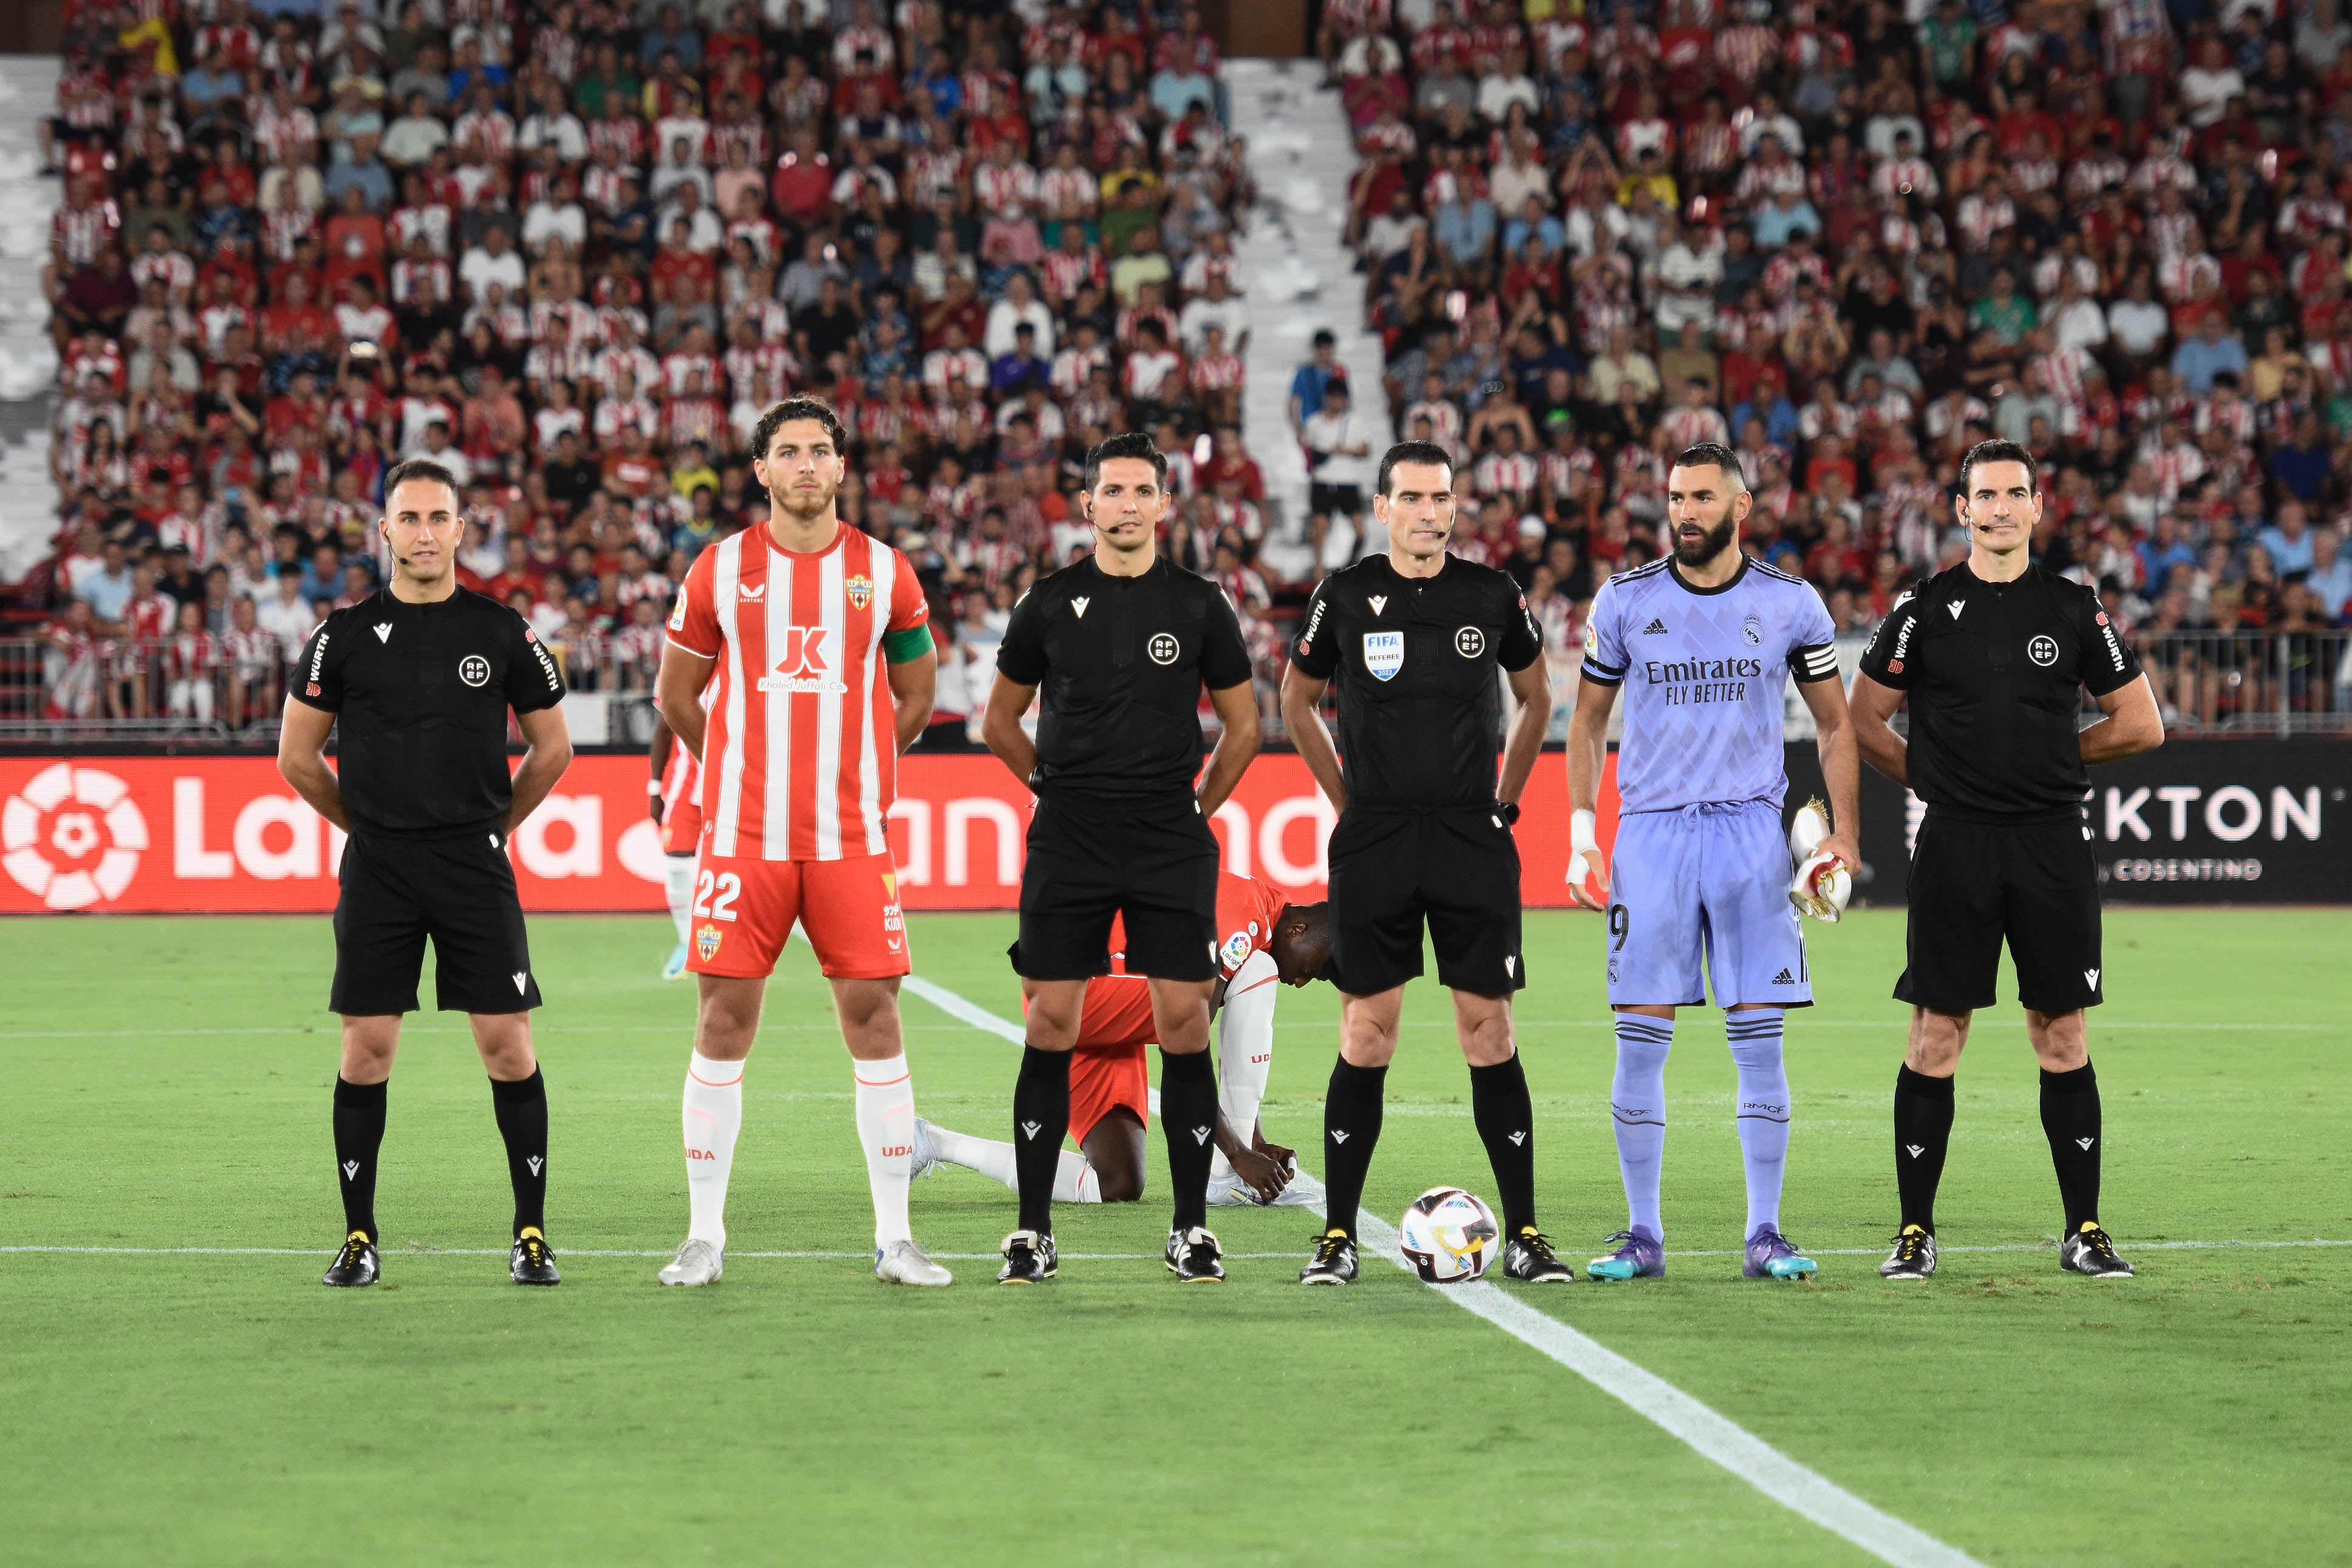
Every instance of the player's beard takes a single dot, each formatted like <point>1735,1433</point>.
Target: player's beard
<point>1715,540</point>
<point>804,508</point>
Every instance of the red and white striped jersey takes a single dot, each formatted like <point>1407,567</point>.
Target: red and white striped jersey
<point>800,758</point>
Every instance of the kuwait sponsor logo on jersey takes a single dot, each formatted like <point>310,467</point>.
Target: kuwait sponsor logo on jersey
<point>860,590</point>
<point>1383,654</point>
<point>803,668</point>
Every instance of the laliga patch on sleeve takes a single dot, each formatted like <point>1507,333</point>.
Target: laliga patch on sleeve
<point>1236,950</point>
<point>1383,654</point>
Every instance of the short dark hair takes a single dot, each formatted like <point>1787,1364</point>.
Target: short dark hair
<point>815,408</point>
<point>1131,444</point>
<point>423,469</point>
<point>2000,452</point>
<point>1714,452</point>
<point>1410,452</point>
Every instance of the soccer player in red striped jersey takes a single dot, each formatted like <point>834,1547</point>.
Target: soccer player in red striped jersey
<point>812,639</point>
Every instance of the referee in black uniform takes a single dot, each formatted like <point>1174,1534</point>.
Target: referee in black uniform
<point>420,675</point>
<point>1120,644</point>
<point>1414,639</point>
<point>1994,655</point>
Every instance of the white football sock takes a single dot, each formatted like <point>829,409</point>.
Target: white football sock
<point>885,1129</point>
<point>1074,1180</point>
<point>714,1115</point>
<point>1244,1049</point>
<point>677,881</point>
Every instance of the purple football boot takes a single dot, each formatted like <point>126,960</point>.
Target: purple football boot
<point>1642,1257</point>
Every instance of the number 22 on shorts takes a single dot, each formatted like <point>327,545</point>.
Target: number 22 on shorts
<point>729,888</point>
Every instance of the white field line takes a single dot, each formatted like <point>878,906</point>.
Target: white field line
<point>402,1251</point>
<point>1784,1480</point>
<point>405,1251</point>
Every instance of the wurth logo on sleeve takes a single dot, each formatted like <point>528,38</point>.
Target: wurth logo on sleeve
<point>803,666</point>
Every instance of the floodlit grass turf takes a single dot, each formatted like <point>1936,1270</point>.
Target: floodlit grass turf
<point>167,1085</point>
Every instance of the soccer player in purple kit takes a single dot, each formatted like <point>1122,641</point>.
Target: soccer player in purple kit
<point>1698,641</point>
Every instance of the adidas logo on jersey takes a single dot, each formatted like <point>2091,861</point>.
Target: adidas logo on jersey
<point>1655,628</point>
<point>1784,978</point>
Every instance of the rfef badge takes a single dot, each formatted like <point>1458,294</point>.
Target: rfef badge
<point>1383,654</point>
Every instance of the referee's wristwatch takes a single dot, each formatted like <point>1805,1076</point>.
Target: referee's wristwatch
<point>1510,812</point>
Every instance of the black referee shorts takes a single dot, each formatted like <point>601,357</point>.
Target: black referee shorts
<point>1152,862</point>
<point>458,891</point>
<point>1457,868</point>
<point>1974,883</point>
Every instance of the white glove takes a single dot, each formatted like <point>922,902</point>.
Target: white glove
<point>1823,882</point>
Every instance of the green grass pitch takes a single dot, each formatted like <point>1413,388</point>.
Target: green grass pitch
<point>166,1085</point>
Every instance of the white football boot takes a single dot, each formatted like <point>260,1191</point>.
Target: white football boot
<point>699,1262</point>
<point>926,1158</point>
<point>905,1263</point>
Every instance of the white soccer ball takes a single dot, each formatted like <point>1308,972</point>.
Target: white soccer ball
<point>1449,1236</point>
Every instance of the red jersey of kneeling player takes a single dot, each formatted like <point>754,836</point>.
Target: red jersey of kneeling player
<point>799,760</point>
<point>1110,1068</point>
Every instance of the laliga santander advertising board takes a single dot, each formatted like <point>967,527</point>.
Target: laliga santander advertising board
<point>226,835</point>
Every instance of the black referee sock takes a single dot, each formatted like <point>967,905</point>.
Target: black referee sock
<point>359,1133</point>
<point>521,1107</point>
<point>1923,1130</point>
<point>1506,1119</point>
<point>1351,1126</point>
<point>2070,1116</point>
<point>1041,1120</point>
<point>1188,1115</point>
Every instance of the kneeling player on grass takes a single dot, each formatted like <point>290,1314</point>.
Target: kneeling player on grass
<point>1265,942</point>
<point>814,633</point>
<point>1700,641</point>
<point>1420,644</point>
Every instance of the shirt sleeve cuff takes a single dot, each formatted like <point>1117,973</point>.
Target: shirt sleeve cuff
<point>1601,675</point>
<point>690,647</point>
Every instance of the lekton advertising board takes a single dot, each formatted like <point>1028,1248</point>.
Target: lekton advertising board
<point>2195,821</point>
<point>154,835</point>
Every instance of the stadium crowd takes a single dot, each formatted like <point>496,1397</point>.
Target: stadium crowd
<point>1851,240</point>
<point>572,247</point>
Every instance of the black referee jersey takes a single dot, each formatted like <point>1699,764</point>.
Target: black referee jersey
<point>1994,672</point>
<point>1119,663</point>
<point>420,694</point>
